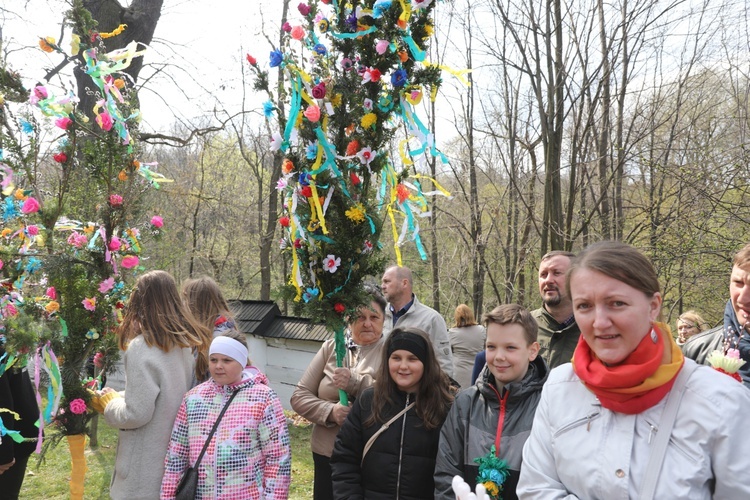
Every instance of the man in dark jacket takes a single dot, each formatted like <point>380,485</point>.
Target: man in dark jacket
<point>735,332</point>
<point>496,412</point>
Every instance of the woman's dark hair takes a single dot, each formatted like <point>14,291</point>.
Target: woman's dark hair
<point>376,295</point>
<point>433,397</point>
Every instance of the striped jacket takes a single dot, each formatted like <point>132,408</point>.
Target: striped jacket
<point>249,456</point>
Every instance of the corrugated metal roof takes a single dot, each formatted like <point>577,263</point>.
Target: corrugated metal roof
<point>263,318</point>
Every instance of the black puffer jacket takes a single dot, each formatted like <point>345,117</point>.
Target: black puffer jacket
<point>400,463</point>
<point>469,430</point>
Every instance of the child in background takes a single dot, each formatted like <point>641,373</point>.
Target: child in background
<point>499,409</point>
<point>249,456</point>
<point>205,300</point>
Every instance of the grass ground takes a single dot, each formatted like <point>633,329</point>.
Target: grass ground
<point>49,481</point>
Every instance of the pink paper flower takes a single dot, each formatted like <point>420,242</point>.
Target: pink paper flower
<point>105,121</point>
<point>114,244</point>
<point>32,230</point>
<point>51,293</point>
<point>129,261</point>
<point>30,206</point>
<point>281,184</point>
<point>64,122</point>
<point>381,46</point>
<point>298,33</point>
<point>89,303</point>
<point>286,27</point>
<point>115,200</point>
<point>11,310</point>
<point>78,406</point>
<point>312,113</point>
<point>331,263</point>
<point>1,264</point>
<point>303,9</point>
<point>77,239</point>
<point>106,285</point>
<point>99,359</point>
<point>157,221</point>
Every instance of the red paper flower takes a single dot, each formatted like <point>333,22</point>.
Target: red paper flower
<point>306,191</point>
<point>356,181</point>
<point>251,59</point>
<point>64,122</point>
<point>319,91</point>
<point>284,221</point>
<point>303,9</point>
<point>339,308</point>
<point>402,192</point>
<point>352,148</point>
<point>60,157</point>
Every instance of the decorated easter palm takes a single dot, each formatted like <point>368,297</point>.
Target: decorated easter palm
<point>349,133</point>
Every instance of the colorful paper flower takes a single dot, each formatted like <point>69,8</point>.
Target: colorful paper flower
<point>381,46</point>
<point>130,261</point>
<point>303,8</point>
<point>46,44</point>
<point>52,307</point>
<point>339,308</point>
<point>251,59</point>
<point>286,27</point>
<point>287,166</point>
<point>114,244</point>
<point>284,221</point>
<point>64,122</point>
<point>369,120</point>
<point>367,104</point>
<point>89,303</point>
<point>380,7</point>
<point>32,230</point>
<point>60,157</point>
<point>402,193</point>
<point>493,472</point>
<point>104,120</point>
<point>106,285</point>
<point>355,179</point>
<point>352,147</point>
<point>268,109</point>
<point>275,58</point>
<point>281,184</point>
<point>115,200</point>
<point>50,292</point>
<point>365,156</point>
<point>157,221</point>
<point>311,151</point>
<point>77,239</point>
<point>367,247</point>
<point>323,25</point>
<point>319,91</point>
<point>30,206</point>
<point>398,78</point>
<point>347,64</point>
<point>331,263</point>
<point>371,75</point>
<point>310,294</point>
<point>312,113</point>
<point>320,49</point>
<point>99,359</point>
<point>298,33</point>
<point>356,214</point>
<point>78,406</point>
<point>276,141</point>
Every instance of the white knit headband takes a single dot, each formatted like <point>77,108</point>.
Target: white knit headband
<point>229,347</point>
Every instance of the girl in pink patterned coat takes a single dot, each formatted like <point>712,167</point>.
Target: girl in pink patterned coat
<point>249,456</point>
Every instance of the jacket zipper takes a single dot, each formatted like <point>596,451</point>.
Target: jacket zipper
<point>500,419</point>
<point>585,420</point>
<point>401,450</point>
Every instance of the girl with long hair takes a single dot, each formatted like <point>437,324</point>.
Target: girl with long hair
<point>388,444</point>
<point>207,303</point>
<point>157,334</point>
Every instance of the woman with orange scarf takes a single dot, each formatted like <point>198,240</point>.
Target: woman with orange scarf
<point>630,417</point>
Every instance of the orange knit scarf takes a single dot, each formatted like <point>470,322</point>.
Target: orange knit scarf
<point>640,381</point>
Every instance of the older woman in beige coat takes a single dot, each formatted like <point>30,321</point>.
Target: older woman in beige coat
<point>317,394</point>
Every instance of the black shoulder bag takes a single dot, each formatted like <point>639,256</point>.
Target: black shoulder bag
<point>188,486</point>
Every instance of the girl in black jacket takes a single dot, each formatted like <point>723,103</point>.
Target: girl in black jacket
<point>387,446</point>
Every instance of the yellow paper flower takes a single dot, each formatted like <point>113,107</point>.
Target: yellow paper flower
<point>336,100</point>
<point>52,307</point>
<point>88,229</point>
<point>123,175</point>
<point>492,489</point>
<point>356,214</point>
<point>6,232</point>
<point>19,194</point>
<point>75,44</point>
<point>369,120</point>
<point>429,30</point>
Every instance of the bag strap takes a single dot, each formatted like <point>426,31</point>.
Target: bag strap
<point>668,417</point>
<point>216,425</point>
<point>384,428</point>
